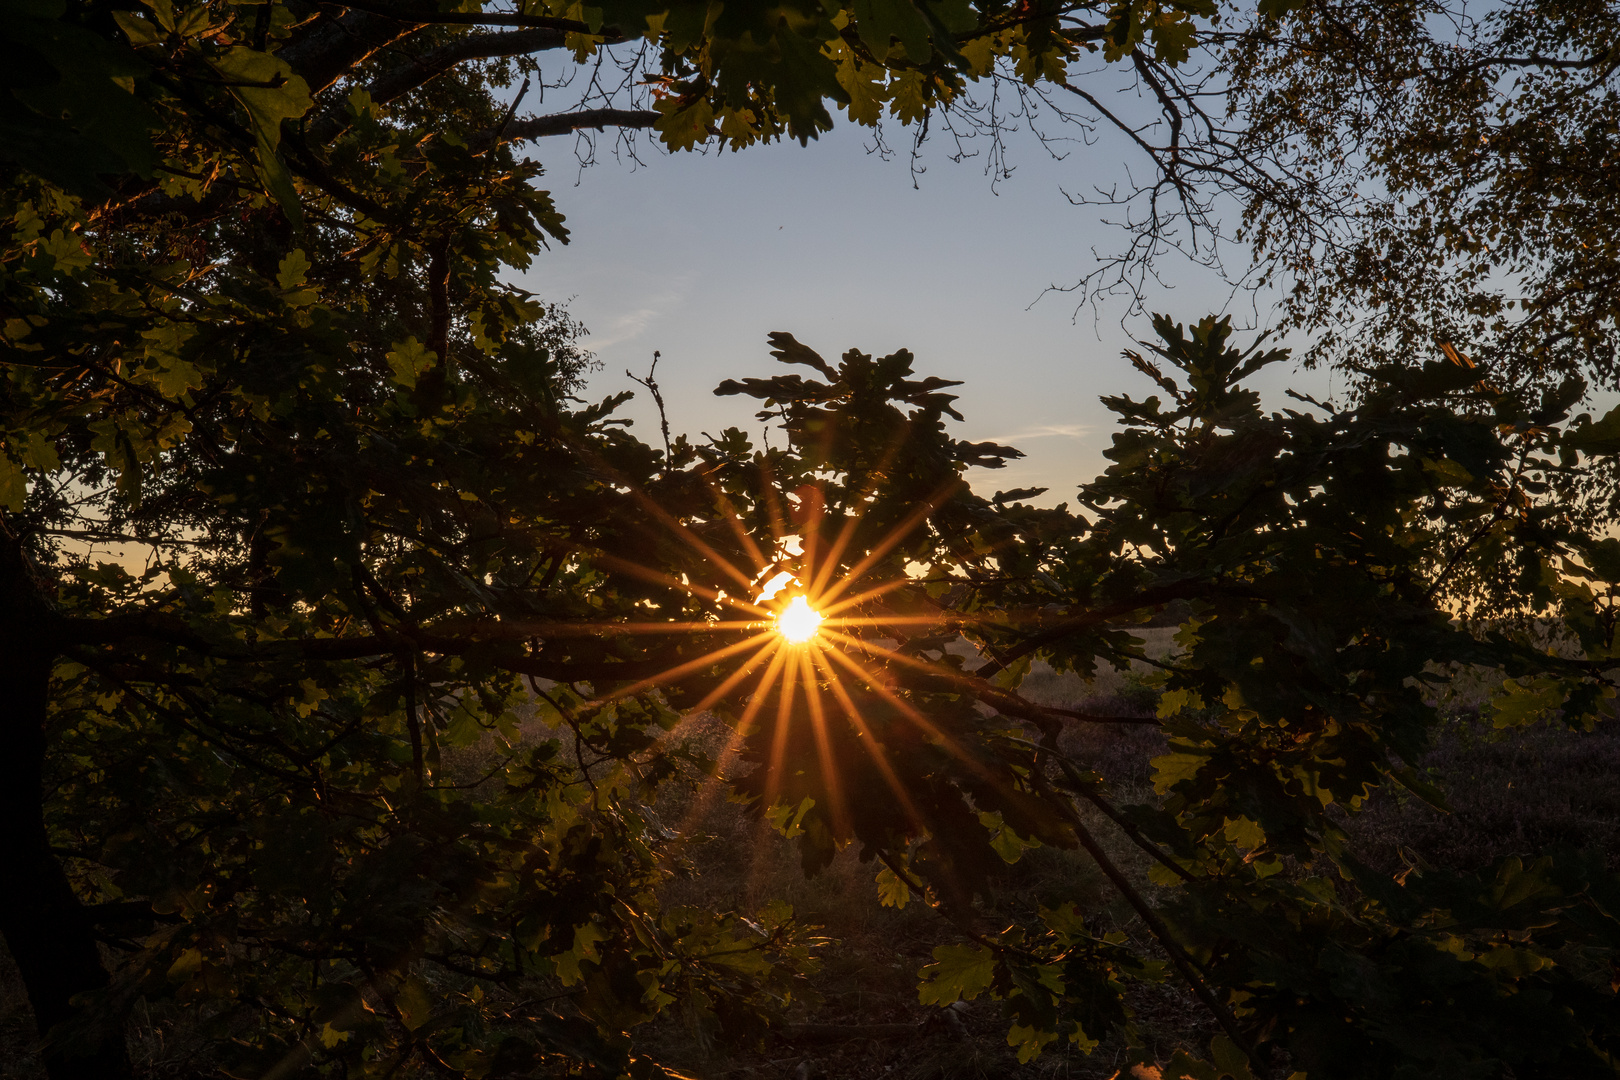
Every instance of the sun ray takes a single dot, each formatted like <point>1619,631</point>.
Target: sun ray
<point>784,724</point>
<point>862,597</point>
<point>600,629</point>
<point>733,519</point>
<point>938,670</point>
<point>813,507</point>
<point>778,654</point>
<point>756,700</point>
<point>674,524</point>
<point>684,531</point>
<point>847,533</point>
<point>737,676</point>
<point>884,546</point>
<point>885,620</point>
<point>727,686</point>
<point>773,505</point>
<point>829,565</point>
<point>784,715</point>
<point>634,569</point>
<point>687,668</point>
<point>871,647</point>
<point>818,726</point>
<point>932,669</point>
<point>910,712</point>
<point>879,755</point>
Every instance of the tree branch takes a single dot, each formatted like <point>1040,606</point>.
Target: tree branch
<point>472,47</point>
<point>1156,926</point>
<point>333,49</point>
<point>536,127</point>
<point>430,65</point>
<point>58,634</point>
<point>1163,594</point>
<point>425,15</point>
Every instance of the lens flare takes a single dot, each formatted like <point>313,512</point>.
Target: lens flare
<point>798,622</point>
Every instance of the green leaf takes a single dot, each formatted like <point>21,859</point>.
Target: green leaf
<point>410,359</point>
<point>1029,1041</point>
<point>1514,963</point>
<point>1007,843</point>
<point>1171,769</point>
<point>74,116</point>
<point>1246,834</point>
<point>586,938</point>
<point>271,92</point>
<point>64,251</point>
<point>1231,1061</point>
<point>141,31</point>
<point>1012,676</point>
<point>684,126</point>
<point>290,275</point>
<point>1523,704</point>
<point>1172,702</point>
<point>13,484</point>
<point>880,22</point>
<point>166,367</point>
<point>892,889</point>
<point>414,1002</point>
<point>164,10</point>
<point>1174,36</point>
<point>958,973</point>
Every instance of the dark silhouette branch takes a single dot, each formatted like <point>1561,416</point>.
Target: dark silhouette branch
<point>430,65</point>
<point>332,48</point>
<point>422,14</point>
<point>537,127</point>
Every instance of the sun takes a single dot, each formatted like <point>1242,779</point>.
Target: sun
<point>798,622</point>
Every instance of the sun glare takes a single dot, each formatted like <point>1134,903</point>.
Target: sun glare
<point>798,621</point>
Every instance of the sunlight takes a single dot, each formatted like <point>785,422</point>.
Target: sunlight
<point>775,585</point>
<point>798,622</point>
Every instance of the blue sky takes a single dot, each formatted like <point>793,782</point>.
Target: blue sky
<point>700,257</point>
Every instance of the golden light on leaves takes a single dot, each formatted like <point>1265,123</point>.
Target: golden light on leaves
<point>798,622</point>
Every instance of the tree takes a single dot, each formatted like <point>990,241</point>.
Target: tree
<point>255,322</point>
<point>1460,170</point>
<point>269,340</point>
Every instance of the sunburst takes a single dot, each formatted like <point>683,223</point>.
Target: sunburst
<point>798,623</point>
<point>804,657</point>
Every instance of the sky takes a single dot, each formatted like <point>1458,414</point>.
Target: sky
<point>699,257</point>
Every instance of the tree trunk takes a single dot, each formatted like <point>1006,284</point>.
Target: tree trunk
<point>44,924</point>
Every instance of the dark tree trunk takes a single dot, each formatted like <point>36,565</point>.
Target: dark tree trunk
<point>44,924</point>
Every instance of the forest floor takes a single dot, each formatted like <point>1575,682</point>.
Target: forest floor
<point>1516,792</point>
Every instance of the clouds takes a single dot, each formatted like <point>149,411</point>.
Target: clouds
<point>626,326</point>
<point>1046,431</point>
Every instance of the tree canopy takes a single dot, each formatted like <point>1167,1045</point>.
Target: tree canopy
<point>257,323</point>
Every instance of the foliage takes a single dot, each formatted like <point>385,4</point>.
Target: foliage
<point>1316,553</point>
<point>257,325</point>
<point>1460,167</point>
